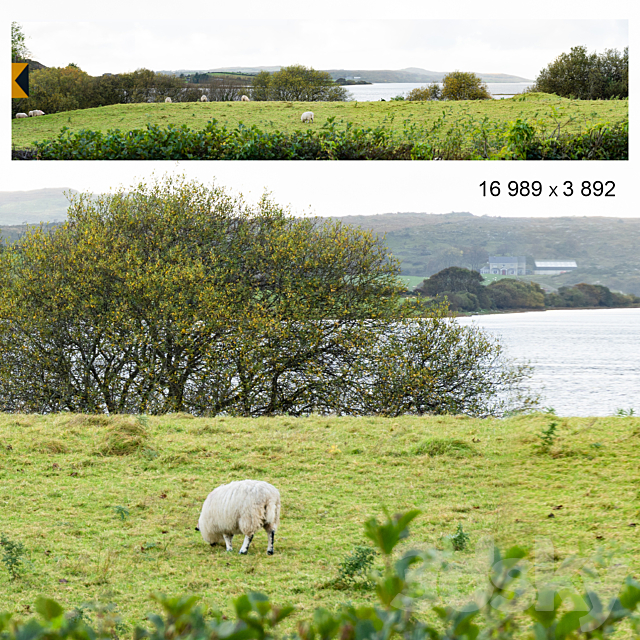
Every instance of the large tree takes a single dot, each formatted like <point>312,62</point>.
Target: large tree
<point>297,83</point>
<point>586,76</point>
<point>19,50</point>
<point>463,85</point>
<point>178,297</point>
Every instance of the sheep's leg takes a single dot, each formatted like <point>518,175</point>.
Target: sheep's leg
<point>227,541</point>
<point>272,535</point>
<point>245,544</point>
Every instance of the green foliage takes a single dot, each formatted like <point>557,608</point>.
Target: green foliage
<point>59,89</point>
<point>508,293</point>
<point>12,553</point>
<point>297,83</point>
<point>588,295</point>
<point>19,51</point>
<point>354,569</point>
<point>398,591</point>
<point>448,137</point>
<point>462,288</point>
<point>462,85</point>
<point>585,76</point>
<point>458,540</point>
<point>625,413</point>
<point>548,436</point>
<point>121,511</point>
<point>219,143</point>
<point>175,297</point>
<point>431,91</point>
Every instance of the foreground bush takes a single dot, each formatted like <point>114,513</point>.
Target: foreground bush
<point>503,608</point>
<point>463,139</point>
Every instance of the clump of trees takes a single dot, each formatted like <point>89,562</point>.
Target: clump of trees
<point>297,83</point>
<point>463,290</point>
<point>589,295</point>
<point>457,85</point>
<point>586,76</point>
<point>431,91</point>
<point>177,297</point>
<point>55,89</point>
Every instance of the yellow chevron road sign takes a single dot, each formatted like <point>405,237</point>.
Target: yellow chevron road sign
<point>19,79</point>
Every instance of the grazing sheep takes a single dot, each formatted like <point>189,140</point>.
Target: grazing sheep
<point>21,115</point>
<point>37,112</point>
<point>307,116</point>
<point>245,99</point>
<point>243,506</point>
<point>204,99</point>
<point>167,99</point>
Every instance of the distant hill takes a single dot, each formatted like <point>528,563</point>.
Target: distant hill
<point>410,74</point>
<point>606,249</point>
<point>33,207</point>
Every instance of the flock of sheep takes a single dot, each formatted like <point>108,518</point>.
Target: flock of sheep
<point>307,116</point>
<point>35,112</point>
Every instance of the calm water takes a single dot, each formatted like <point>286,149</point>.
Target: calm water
<point>376,91</point>
<point>587,362</point>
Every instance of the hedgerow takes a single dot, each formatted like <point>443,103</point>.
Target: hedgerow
<point>462,139</point>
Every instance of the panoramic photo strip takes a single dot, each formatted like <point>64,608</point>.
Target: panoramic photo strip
<point>321,90</point>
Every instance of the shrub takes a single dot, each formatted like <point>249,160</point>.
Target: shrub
<point>297,83</point>
<point>458,540</point>
<point>585,76</point>
<point>354,569</point>
<point>12,553</point>
<point>461,85</point>
<point>431,91</point>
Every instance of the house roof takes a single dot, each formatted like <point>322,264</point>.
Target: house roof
<point>556,263</point>
<point>506,259</point>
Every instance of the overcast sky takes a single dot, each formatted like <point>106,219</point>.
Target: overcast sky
<point>519,47</point>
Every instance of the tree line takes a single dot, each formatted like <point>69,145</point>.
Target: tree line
<point>174,296</point>
<point>56,89</point>
<point>464,291</point>
<point>578,75</point>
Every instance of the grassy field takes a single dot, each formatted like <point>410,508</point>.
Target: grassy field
<point>543,110</point>
<point>114,528</point>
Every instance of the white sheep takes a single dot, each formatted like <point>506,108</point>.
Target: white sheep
<point>245,99</point>
<point>21,115</point>
<point>204,99</point>
<point>307,116</point>
<point>243,506</point>
<point>167,99</point>
<point>36,112</point>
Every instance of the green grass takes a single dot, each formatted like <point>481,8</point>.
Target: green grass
<point>545,110</point>
<point>106,506</point>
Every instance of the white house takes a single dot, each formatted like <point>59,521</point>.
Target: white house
<point>507,265</point>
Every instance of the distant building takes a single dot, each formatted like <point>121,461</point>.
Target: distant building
<point>506,265</point>
<point>554,267</point>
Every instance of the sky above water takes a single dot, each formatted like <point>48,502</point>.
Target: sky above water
<point>519,47</point>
